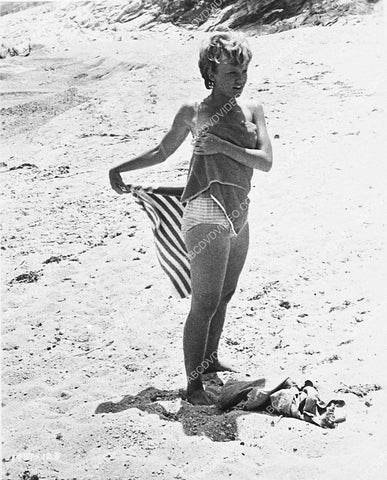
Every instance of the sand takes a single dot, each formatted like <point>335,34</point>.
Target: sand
<point>88,316</point>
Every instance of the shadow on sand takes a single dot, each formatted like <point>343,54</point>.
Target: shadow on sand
<point>216,424</point>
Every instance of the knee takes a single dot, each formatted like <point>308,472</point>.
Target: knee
<point>227,296</point>
<point>205,305</point>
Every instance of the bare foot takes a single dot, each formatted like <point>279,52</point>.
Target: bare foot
<point>219,367</point>
<point>212,379</point>
<point>199,397</point>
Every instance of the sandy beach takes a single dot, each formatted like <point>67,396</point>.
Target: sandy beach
<point>92,366</point>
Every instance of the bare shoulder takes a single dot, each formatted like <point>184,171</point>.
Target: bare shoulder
<point>187,111</point>
<point>253,109</point>
<point>256,109</point>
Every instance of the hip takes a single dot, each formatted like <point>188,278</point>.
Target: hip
<point>203,209</point>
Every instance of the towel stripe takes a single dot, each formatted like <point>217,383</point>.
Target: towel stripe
<point>165,212</point>
<point>167,248</point>
<point>169,223</point>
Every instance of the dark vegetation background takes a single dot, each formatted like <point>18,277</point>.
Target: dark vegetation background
<point>283,14</point>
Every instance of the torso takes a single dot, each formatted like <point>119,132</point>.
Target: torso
<point>204,114</point>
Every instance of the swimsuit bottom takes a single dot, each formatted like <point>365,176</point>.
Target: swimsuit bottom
<point>203,209</point>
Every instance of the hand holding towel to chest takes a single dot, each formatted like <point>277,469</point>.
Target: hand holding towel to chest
<point>228,180</point>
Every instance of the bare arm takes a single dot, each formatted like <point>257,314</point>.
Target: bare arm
<point>168,145</point>
<point>260,158</point>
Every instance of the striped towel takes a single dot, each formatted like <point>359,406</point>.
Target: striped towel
<point>163,207</point>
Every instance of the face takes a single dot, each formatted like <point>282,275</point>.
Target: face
<point>229,79</point>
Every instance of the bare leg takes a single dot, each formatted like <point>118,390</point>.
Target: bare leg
<point>208,270</point>
<point>238,251</point>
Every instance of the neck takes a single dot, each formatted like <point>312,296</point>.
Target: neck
<point>219,99</point>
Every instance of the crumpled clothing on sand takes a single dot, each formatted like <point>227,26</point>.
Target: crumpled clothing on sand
<point>283,397</point>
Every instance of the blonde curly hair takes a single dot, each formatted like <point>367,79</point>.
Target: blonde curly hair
<point>232,45</point>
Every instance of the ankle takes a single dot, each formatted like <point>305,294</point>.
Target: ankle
<point>194,385</point>
<point>210,358</point>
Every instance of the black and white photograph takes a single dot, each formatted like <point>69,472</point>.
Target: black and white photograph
<point>193,240</point>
